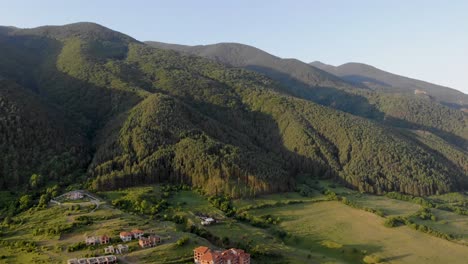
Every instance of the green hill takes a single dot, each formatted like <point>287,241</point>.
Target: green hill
<point>152,115</point>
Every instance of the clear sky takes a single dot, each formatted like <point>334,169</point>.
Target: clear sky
<point>424,39</point>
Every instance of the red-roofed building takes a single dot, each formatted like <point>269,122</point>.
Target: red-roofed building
<point>137,233</point>
<point>212,257</point>
<point>204,255</point>
<point>126,236</point>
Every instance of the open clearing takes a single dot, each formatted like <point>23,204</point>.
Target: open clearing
<point>314,223</point>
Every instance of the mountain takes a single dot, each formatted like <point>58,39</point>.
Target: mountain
<point>140,115</point>
<point>240,55</point>
<point>374,78</point>
<point>358,99</point>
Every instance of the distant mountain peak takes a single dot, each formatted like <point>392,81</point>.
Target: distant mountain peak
<point>86,30</point>
<point>375,78</point>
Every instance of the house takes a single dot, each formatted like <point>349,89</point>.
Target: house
<point>212,257</point>
<point>126,236</point>
<point>150,241</point>
<point>204,255</point>
<point>236,256</point>
<point>137,233</point>
<point>121,249</point>
<point>92,240</point>
<point>75,195</point>
<point>208,221</point>
<point>104,239</point>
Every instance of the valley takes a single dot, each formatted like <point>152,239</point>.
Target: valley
<point>277,228</point>
<point>162,148</point>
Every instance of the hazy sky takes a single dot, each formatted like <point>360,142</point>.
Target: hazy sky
<point>426,40</point>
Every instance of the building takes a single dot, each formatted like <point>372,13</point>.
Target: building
<point>208,221</point>
<point>204,255</point>
<point>104,239</point>
<point>150,241</point>
<point>109,250</point>
<point>121,249</point>
<point>75,195</point>
<point>236,256</point>
<point>137,233</point>
<point>109,259</point>
<point>92,240</point>
<point>126,236</point>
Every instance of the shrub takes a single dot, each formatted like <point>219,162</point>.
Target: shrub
<point>182,241</point>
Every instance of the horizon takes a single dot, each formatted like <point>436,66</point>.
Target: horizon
<point>422,40</point>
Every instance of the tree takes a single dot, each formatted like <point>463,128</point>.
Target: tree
<point>25,202</point>
<point>35,181</point>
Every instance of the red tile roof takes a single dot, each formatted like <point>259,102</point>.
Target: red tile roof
<point>124,234</point>
<point>201,250</point>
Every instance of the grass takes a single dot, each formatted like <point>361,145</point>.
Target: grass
<point>390,207</point>
<point>313,225</point>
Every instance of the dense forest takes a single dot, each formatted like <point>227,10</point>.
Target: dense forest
<point>93,101</point>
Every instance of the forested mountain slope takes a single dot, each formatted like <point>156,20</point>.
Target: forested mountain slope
<point>394,109</point>
<point>36,138</point>
<point>154,115</point>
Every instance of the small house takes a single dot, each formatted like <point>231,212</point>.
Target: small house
<point>137,233</point>
<point>91,240</point>
<point>75,195</point>
<point>121,249</point>
<point>150,241</point>
<point>126,236</point>
<point>104,239</point>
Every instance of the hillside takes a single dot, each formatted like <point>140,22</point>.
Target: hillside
<point>375,78</point>
<point>357,99</point>
<point>36,139</point>
<point>153,115</point>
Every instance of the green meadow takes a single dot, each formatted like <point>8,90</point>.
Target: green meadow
<point>276,228</point>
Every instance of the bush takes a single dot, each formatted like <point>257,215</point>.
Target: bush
<point>182,241</point>
<point>394,221</point>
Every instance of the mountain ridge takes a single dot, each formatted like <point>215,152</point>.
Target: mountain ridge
<point>156,115</point>
<point>362,73</point>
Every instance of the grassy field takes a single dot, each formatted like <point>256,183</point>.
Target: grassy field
<point>390,207</point>
<point>343,232</point>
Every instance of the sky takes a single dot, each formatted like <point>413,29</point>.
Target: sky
<point>426,40</point>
